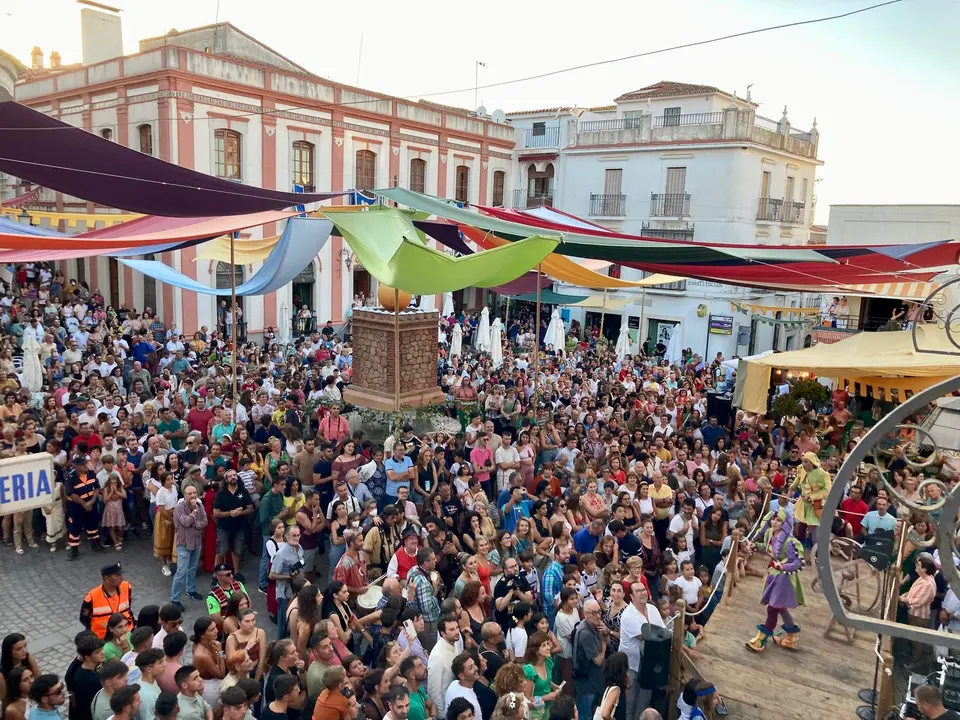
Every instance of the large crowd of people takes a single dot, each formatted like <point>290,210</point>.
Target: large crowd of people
<point>504,572</point>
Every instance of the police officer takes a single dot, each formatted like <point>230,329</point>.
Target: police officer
<point>113,595</point>
<point>82,488</point>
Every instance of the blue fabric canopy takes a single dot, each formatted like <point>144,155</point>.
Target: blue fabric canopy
<point>301,241</point>
<point>16,228</point>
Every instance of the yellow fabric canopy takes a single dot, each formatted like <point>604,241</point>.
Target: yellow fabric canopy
<point>72,219</point>
<point>245,252</point>
<point>605,302</point>
<point>866,354</point>
<point>774,308</point>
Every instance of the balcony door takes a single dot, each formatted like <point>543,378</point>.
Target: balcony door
<point>613,181</point>
<point>676,189</point>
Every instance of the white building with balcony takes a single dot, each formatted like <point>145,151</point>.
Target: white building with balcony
<point>684,162</point>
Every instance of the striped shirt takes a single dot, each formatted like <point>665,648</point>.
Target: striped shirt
<point>188,527</point>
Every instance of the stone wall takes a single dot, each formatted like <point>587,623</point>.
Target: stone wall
<point>374,382</point>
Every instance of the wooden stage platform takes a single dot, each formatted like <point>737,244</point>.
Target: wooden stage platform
<point>820,680</point>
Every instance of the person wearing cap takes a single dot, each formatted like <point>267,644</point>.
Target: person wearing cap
<point>82,488</point>
<point>405,558</point>
<point>113,595</point>
<point>813,482</point>
<point>226,586</point>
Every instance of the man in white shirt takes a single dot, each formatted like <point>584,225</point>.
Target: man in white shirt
<point>638,613</point>
<point>440,663</point>
<point>466,671</point>
<point>507,459</point>
<point>685,523</point>
<point>72,354</point>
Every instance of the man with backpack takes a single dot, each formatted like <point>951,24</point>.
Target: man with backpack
<point>589,652</point>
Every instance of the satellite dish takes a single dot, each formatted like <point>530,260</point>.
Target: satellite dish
<point>481,111</point>
<point>498,116</point>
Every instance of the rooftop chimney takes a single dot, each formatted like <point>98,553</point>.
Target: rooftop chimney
<point>100,31</point>
<point>36,58</point>
<point>54,59</point>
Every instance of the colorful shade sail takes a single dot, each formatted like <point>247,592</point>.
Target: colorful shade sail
<point>299,244</point>
<point>51,153</point>
<point>392,250</point>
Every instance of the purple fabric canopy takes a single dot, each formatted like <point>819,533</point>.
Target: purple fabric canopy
<point>449,235</point>
<point>46,151</point>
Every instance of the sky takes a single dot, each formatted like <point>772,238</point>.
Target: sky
<point>884,86</point>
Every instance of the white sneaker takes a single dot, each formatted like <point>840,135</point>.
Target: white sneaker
<point>166,570</point>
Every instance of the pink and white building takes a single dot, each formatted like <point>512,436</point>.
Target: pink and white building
<point>216,100</point>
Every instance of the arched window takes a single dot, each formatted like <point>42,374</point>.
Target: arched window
<point>418,175</point>
<point>149,288</point>
<point>146,139</point>
<point>366,175</point>
<point>303,165</point>
<point>226,155</point>
<point>223,275</point>
<point>499,179</point>
<point>107,134</point>
<point>463,183</point>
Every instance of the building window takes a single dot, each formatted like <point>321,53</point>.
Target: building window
<point>671,116</point>
<point>223,275</point>
<point>226,154</point>
<point>499,179</point>
<point>418,175</point>
<point>149,289</point>
<point>303,165</point>
<point>146,139</point>
<point>107,134</point>
<point>539,129</point>
<point>366,175</point>
<point>463,183</point>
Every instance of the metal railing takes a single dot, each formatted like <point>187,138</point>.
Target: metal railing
<point>303,326</point>
<point>546,138</point>
<point>523,200</point>
<point>226,329</point>
<point>684,233</point>
<point>714,118</point>
<point>778,210</point>
<point>669,204</point>
<point>608,205</point>
<point>607,125</point>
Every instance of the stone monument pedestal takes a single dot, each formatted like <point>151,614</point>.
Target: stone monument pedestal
<point>375,382</point>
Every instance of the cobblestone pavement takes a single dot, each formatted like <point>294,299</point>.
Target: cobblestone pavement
<point>41,592</point>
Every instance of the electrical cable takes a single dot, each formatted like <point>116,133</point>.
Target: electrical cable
<point>540,76</point>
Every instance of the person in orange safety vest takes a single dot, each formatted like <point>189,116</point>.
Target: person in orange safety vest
<point>113,596</point>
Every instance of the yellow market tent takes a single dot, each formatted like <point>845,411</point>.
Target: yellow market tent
<point>862,357</point>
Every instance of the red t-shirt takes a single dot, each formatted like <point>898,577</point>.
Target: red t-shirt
<point>852,511</point>
<point>199,420</point>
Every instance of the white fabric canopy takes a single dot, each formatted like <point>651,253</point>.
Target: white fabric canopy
<point>555,332</point>
<point>483,332</point>
<point>496,343</point>
<point>456,344</point>
<point>674,353</point>
<point>32,372</point>
<point>447,305</point>
<point>623,342</point>
<point>732,363</point>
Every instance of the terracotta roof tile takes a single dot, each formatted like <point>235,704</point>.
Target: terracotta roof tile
<point>603,108</point>
<point>669,88</point>
<point>541,110</point>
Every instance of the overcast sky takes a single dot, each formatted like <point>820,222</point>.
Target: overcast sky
<point>884,86</point>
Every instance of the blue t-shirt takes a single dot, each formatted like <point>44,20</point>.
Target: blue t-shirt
<point>511,518</point>
<point>398,466</point>
<point>873,521</point>
<point>584,542</point>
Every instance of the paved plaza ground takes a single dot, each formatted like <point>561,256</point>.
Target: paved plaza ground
<point>41,592</point>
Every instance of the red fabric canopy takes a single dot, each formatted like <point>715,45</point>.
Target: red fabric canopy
<point>55,155</point>
<point>145,232</point>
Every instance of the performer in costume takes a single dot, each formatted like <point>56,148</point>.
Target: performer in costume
<point>813,482</point>
<point>782,589</point>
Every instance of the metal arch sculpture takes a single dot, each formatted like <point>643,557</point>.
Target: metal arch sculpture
<point>947,320</point>
<point>949,505</point>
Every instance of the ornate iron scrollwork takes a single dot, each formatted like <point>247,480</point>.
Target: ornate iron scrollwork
<point>948,505</point>
<point>946,318</point>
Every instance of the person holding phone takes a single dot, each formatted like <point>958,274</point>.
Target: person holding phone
<point>287,564</point>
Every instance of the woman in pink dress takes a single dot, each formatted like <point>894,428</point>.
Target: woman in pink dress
<point>528,457</point>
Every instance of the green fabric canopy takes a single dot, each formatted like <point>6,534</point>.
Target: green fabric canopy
<point>549,297</point>
<point>611,249</point>
<point>392,250</point>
